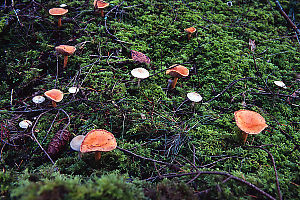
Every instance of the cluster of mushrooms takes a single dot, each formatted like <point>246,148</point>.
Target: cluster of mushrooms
<point>100,140</point>
<point>97,140</point>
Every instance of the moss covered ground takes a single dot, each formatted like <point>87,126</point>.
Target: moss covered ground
<point>168,148</point>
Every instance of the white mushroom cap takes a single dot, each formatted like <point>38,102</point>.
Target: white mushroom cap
<point>63,5</point>
<point>194,97</point>
<point>25,124</point>
<point>76,142</point>
<point>73,90</point>
<point>280,84</point>
<point>140,73</point>
<point>38,99</point>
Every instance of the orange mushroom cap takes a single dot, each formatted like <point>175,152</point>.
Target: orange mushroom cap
<point>98,140</point>
<point>190,30</point>
<point>54,95</point>
<point>249,121</point>
<point>100,4</point>
<point>58,11</point>
<point>178,71</point>
<point>65,50</point>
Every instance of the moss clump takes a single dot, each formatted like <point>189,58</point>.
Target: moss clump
<point>170,190</point>
<point>5,183</point>
<point>62,187</point>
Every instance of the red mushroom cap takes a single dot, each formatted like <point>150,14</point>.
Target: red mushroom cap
<point>65,50</point>
<point>54,95</point>
<point>249,121</point>
<point>178,71</point>
<point>98,140</point>
<point>58,11</point>
<point>190,30</point>
<point>100,4</point>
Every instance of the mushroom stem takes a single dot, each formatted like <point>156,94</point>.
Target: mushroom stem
<point>244,137</point>
<point>174,83</point>
<point>139,82</point>
<point>59,21</point>
<point>193,104</point>
<point>102,13</point>
<point>79,154</point>
<point>97,155</point>
<point>189,36</point>
<point>65,61</point>
<point>54,104</point>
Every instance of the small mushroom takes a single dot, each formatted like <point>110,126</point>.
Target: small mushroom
<point>249,122</point>
<point>140,73</point>
<point>100,5</point>
<point>59,12</point>
<point>194,97</point>
<point>25,124</point>
<point>98,140</point>
<point>38,99</point>
<point>73,90</point>
<point>229,3</point>
<point>66,51</point>
<point>280,84</point>
<point>190,31</point>
<point>177,71</point>
<point>63,5</point>
<point>54,95</point>
<point>76,143</point>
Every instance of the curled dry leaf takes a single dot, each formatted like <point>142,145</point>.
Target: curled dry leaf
<point>140,57</point>
<point>252,45</point>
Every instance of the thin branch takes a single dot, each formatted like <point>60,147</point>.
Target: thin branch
<point>215,173</point>
<point>149,159</point>
<point>230,85</point>
<point>291,23</point>
<point>274,166</point>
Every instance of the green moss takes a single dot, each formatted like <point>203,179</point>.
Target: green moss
<point>150,120</point>
<point>57,186</point>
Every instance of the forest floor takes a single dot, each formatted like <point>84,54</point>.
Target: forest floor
<point>167,146</point>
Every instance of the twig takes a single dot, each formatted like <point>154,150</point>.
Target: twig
<point>291,23</point>
<point>35,139</point>
<point>274,166</point>
<point>277,94</point>
<point>230,85</point>
<point>13,7</point>
<point>215,173</point>
<point>209,189</point>
<point>149,159</point>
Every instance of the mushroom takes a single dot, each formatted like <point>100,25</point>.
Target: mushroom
<point>98,140</point>
<point>140,57</point>
<point>280,84</point>
<point>100,5</point>
<point>177,71</point>
<point>249,122</point>
<point>63,5</point>
<point>55,95</point>
<point>25,124</point>
<point>190,31</point>
<point>194,97</point>
<point>140,73</point>
<point>229,3</point>
<point>38,99</point>
<point>76,143</point>
<point>66,51</point>
<point>58,12</point>
<point>73,90</point>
